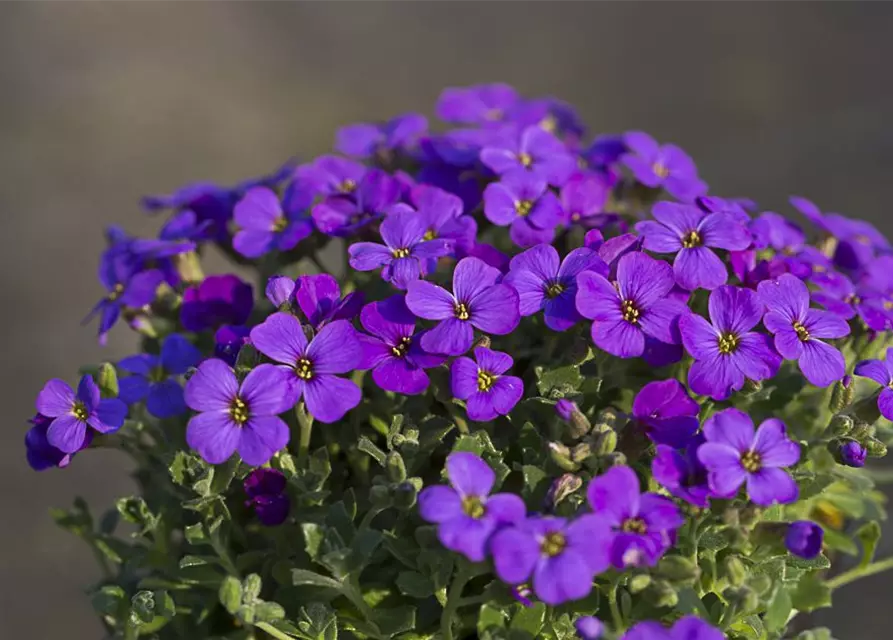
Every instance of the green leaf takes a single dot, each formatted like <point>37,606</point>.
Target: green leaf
<point>196,534</point>
<point>397,620</point>
<point>838,541</point>
<point>869,534</point>
<point>313,537</point>
<point>469,443</point>
<point>109,600</point>
<point>251,586</point>
<point>490,618</point>
<point>368,447</point>
<point>530,619</point>
<point>223,475</point>
<point>813,564</point>
<point>268,612</point>
<point>712,541</point>
<point>779,609</point>
<point>558,382</point>
<point>230,594</point>
<point>302,577</point>
<point>142,606</point>
<point>197,561</point>
<point>415,585</point>
<point>811,594</point>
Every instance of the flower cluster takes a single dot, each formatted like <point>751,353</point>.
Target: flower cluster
<point>648,399</point>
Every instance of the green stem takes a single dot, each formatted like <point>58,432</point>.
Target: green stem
<point>366,522</point>
<point>305,422</point>
<point>860,572</point>
<point>616,616</point>
<point>272,631</point>
<point>454,598</point>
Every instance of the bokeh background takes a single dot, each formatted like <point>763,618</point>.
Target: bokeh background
<point>101,103</point>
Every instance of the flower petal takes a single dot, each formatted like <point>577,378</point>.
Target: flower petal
<point>439,503</point>
<point>329,397</point>
<point>874,369</point>
<point>562,578</point>
<point>821,363</point>
<point>471,277</point>
<point>659,238</point>
<point>366,256</point>
<point>108,416</point>
<point>452,337</point>
<point>731,427</point>
<point>824,324</point>
<point>768,486</point>
<point>268,391</point>
<point>494,310</point>
<point>643,279</point>
<point>734,309</point>
<point>280,337</point>
<point>596,298</point>
<point>774,446</point>
<point>335,349</point>
<point>506,393</point>
<point>67,434</point>
<point>699,268</point>
<point>786,296</point>
<point>715,376</point>
<point>261,437</point>
<point>661,320</point>
<point>429,301</point>
<point>55,399</point>
<point>178,354</point>
<point>165,400</point>
<point>724,231</point>
<point>619,337</point>
<point>515,553</point>
<point>614,495</point>
<point>213,435</point>
<point>469,474</point>
<point>701,340</point>
<point>397,375</point>
<point>212,387</point>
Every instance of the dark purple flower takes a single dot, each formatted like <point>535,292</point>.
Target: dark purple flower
<point>266,493</point>
<point>534,151</point>
<point>325,176</point>
<point>228,341</point>
<point>483,385</point>
<point>487,253</point>
<point>545,284</point>
<point>603,156</point>
<point>665,166</point>
<point>477,301</point>
<point>264,226</point>
<point>39,452</point>
<point>71,413</point>
<point>797,329</point>
<point>313,365</point>
<point>804,539</point>
<point>681,473</point>
<point>562,556</point>
<point>734,454</point>
<point>319,298</point>
<point>851,454</point>
<point>218,300</point>
<point>686,628</point>
<point>234,417</point>
<point>478,104</point>
<point>583,200</point>
<point>566,408</point>
<point>589,627</point>
<point>442,214</point>
<point>667,412</point>
<point>642,525</point>
<point>152,380</point>
<point>343,215</point>
<point>636,307</point>
<point>367,140</point>
<point>466,513</point>
<point>525,202</point>
<point>840,296</point>
<point>280,291</point>
<point>881,371</point>
<point>405,252</point>
<point>725,350</point>
<point>690,234</point>
<point>393,351</point>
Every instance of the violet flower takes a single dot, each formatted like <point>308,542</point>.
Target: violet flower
<point>442,214</point>
<point>228,342</point>
<point>369,201</point>
<point>319,299</point>
<point>153,377</point>
<point>686,628</point>
<point>840,296</point>
<point>851,454</point>
<point>326,176</point>
<point>881,371</point>
<point>40,453</point>
<point>533,151</point>
<point>478,104</point>
<point>681,473</point>
<point>483,385</point>
<point>667,413</point>
<point>218,300</point>
<point>804,539</point>
<point>280,291</point>
<point>72,412</point>
<point>665,166</point>
<point>265,488</point>
<point>583,200</point>
<point>368,140</point>
<point>264,227</point>
<point>525,202</point>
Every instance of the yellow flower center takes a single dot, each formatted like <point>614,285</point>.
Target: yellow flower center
<point>79,411</point>
<point>660,170</point>
<point>523,207</point>
<point>239,411</point>
<point>485,380</point>
<point>279,224</point>
<point>802,332</point>
<point>751,461</point>
<point>347,186</point>
<point>399,350</point>
<point>493,114</point>
<point>634,525</point>
<point>115,293</point>
<point>304,369</point>
<point>691,240</point>
<point>728,343</point>
<point>400,253</point>
<point>554,290</point>
<point>553,544</point>
<point>575,216</point>
<point>525,159</point>
<point>630,311</point>
<point>430,234</point>
<point>473,507</point>
<point>461,311</point>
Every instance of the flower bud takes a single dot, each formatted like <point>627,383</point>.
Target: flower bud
<point>405,496</point>
<point>107,380</point>
<point>561,488</point>
<point>841,425</point>
<point>875,448</point>
<point>280,291</point>
<point>861,431</point>
<point>483,341</point>
<point>741,599</point>
<point>395,466</point>
<point>616,459</point>
<point>804,539</point>
<point>380,496</point>
<point>589,628</point>
<point>751,387</point>
<point>677,569</point>
<point>561,456</point>
<point>578,424</point>
<point>760,583</point>
<point>849,453</point>
<point>661,593</point>
<point>842,394</point>
<point>606,442</point>
<point>607,419</point>
<point>581,452</point>
<point>638,583</point>
<point>734,570</point>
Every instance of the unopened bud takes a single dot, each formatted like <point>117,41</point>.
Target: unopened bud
<point>875,448</point>
<point>280,291</point>
<point>751,387</point>
<point>639,582</point>
<point>678,569</point>
<point>578,424</point>
<point>607,419</point>
<point>404,496</point>
<point>606,442</point>
<point>734,570</point>
<point>841,425</point>
<point>862,431</point>
<point>760,583</point>
<point>561,488</point>
<point>380,496</point>
<point>561,456</point>
<point>581,452</point>
<point>107,380</point>
<point>616,459</point>
<point>483,341</point>
<point>395,466</point>
<point>661,593</point>
<point>842,394</point>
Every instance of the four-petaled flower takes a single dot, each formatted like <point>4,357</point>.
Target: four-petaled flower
<point>797,329</point>
<point>477,301</point>
<point>535,151</point>
<point>364,203</point>
<point>71,413</point>
<point>466,514</point>
<point>264,226</point>
<point>681,473</point>
<point>583,200</point>
<point>152,377</point>
<point>881,371</point>
<point>319,299</point>
<point>734,454</point>
<point>266,493</point>
<point>40,453</point>
<point>525,202</point>
<point>484,387</point>
<point>667,413</point>
<point>366,140</point>
<point>665,166</point>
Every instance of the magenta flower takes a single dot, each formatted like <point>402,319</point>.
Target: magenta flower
<point>405,251</point>
<point>264,227</point>
<point>487,392</point>
<point>313,365</point>
<point>667,413</point>
<point>466,514</point>
<point>393,351</point>
<point>534,151</point>
<point>636,308</point>
<point>368,201</point>
<point>881,371</point>
<point>665,166</point>
<point>642,526</point>
<point>319,299</point>
<point>234,417</point>
<point>477,301</point>
<point>71,413</point>
<point>725,350</point>
<point>545,284</point>
<point>367,140</point>
<point>479,104</point>
<point>797,329</point>
<point>216,301</point>
<point>686,628</point>
<point>525,202</point>
<point>265,488</point>
<point>734,454</point>
<point>691,234</point>
<point>562,556</point>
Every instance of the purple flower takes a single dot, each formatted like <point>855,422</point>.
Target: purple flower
<point>522,594</point>
<point>325,176</point>
<point>666,411</point>
<point>313,365</point>
<point>881,371</point>
<point>393,351</point>
<point>725,350</point>
<point>234,417</point>
<point>562,556</point>
<point>804,539</point>
<point>280,291</point>
<point>690,234</point>
<point>477,301</point>
<point>545,285</point>
<point>367,140</point>
<point>487,392</point>
<point>39,452</point>
<point>534,151</point>
<point>266,493</point>
<point>405,252</point>
<point>264,227</point>
<point>228,342</point>
<point>477,104</point>
<point>217,300</point>
<point>466,513</point>
<point>665,166</point>
<point>566,408</point>
<point>369,201</point>
<point>152,380</point>
<point>442,214</point>
<point>71,413</point>
<point>840,296</point>
<point>489,254</point>
<point>797,328</point>
<point>525,202</point>
<point>635,308</point>
<point>589,627</point>
<point>583,200</point>
<point>851,454</point>
<point>734,454</point>
<point>681,473</point>
<point>642,525</point>
<point>319,298</point>
<point>771,230</point>
<point>686,628</point>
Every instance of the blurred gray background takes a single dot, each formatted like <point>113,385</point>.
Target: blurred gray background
<point>101,103</point>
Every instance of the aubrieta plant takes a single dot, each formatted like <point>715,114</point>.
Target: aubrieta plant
<point>499,380</point>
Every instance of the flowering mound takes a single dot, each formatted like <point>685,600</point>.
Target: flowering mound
<point>556,390</point>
